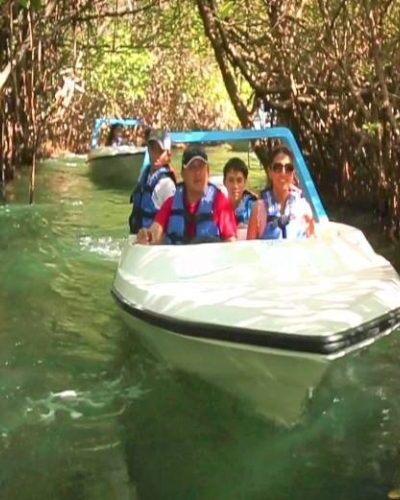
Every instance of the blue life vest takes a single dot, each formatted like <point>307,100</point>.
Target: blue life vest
<point>243,210</point>
<point>144,210</point>
<point>206,229</point>
<point>286,225</point>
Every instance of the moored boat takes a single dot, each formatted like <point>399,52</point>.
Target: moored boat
<point>261,319</point>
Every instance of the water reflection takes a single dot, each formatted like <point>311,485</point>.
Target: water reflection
<point>88,413</point>
<point>201,443</point>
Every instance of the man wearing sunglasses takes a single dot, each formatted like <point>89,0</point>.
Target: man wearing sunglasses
<point>282,213</point>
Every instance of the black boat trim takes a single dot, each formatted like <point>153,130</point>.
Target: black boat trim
<point>313,344</point>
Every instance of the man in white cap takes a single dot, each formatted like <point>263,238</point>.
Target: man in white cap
<point>156,184</point>
<point>197,212</point>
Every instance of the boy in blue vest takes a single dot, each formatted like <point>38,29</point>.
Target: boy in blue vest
<point>198,211</point>
<point>156,184</point>
<point>235,180</point>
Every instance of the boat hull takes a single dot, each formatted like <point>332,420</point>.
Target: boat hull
<point>271,383</point>
<point>269,332</point>
<point>120,170</point>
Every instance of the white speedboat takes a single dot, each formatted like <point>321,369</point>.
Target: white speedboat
<point>115,166</point>
<point>261,319</point>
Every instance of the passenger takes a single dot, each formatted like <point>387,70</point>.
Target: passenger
<point>115,135</point>
<point>156,184</point>
<point>235,179</point>
<point>198,211</point>
<point>282,212</point>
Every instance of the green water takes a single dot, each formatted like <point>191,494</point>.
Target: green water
<point>87,413</point>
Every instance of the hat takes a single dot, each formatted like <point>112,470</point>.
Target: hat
<point>192,153</point>
<point>161,137</point>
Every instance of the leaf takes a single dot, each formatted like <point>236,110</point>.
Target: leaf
<point>36,4</point>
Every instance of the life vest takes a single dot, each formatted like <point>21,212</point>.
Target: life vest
<point>287,225</point>
<point>144,210</point>
<point>206,229</point>
<point>243,210</point>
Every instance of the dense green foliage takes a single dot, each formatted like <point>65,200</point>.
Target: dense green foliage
<point>149,65</point>
<point>327,69</point>
<point>99,58</point>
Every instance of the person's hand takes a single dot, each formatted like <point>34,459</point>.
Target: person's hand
<point>144,236</point>
<point>150,236</point>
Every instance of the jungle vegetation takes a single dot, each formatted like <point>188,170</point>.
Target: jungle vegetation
<point>328,69</point>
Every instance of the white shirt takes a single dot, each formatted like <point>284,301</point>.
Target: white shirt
<point>165,188</point>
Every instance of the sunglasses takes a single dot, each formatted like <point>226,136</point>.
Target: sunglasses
<point>279,167</point>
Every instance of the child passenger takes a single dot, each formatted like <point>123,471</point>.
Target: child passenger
<point>235,180</point>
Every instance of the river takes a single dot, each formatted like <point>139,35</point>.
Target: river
<point>86,412</point>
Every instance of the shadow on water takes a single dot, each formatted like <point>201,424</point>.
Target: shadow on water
<point>130,428</point>
<point>187,439</point>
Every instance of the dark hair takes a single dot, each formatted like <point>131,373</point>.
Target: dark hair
<point>237,165</point>
<point>281,149</point>
<point>113,128</point>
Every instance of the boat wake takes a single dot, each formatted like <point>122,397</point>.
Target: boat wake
<point>107,402</point>
<point>106,247</point>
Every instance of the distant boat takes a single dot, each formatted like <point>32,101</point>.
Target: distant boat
<point>262,319</point>
<point>116,166</point>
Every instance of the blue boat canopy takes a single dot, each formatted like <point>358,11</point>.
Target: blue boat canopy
<point>284,134</point>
